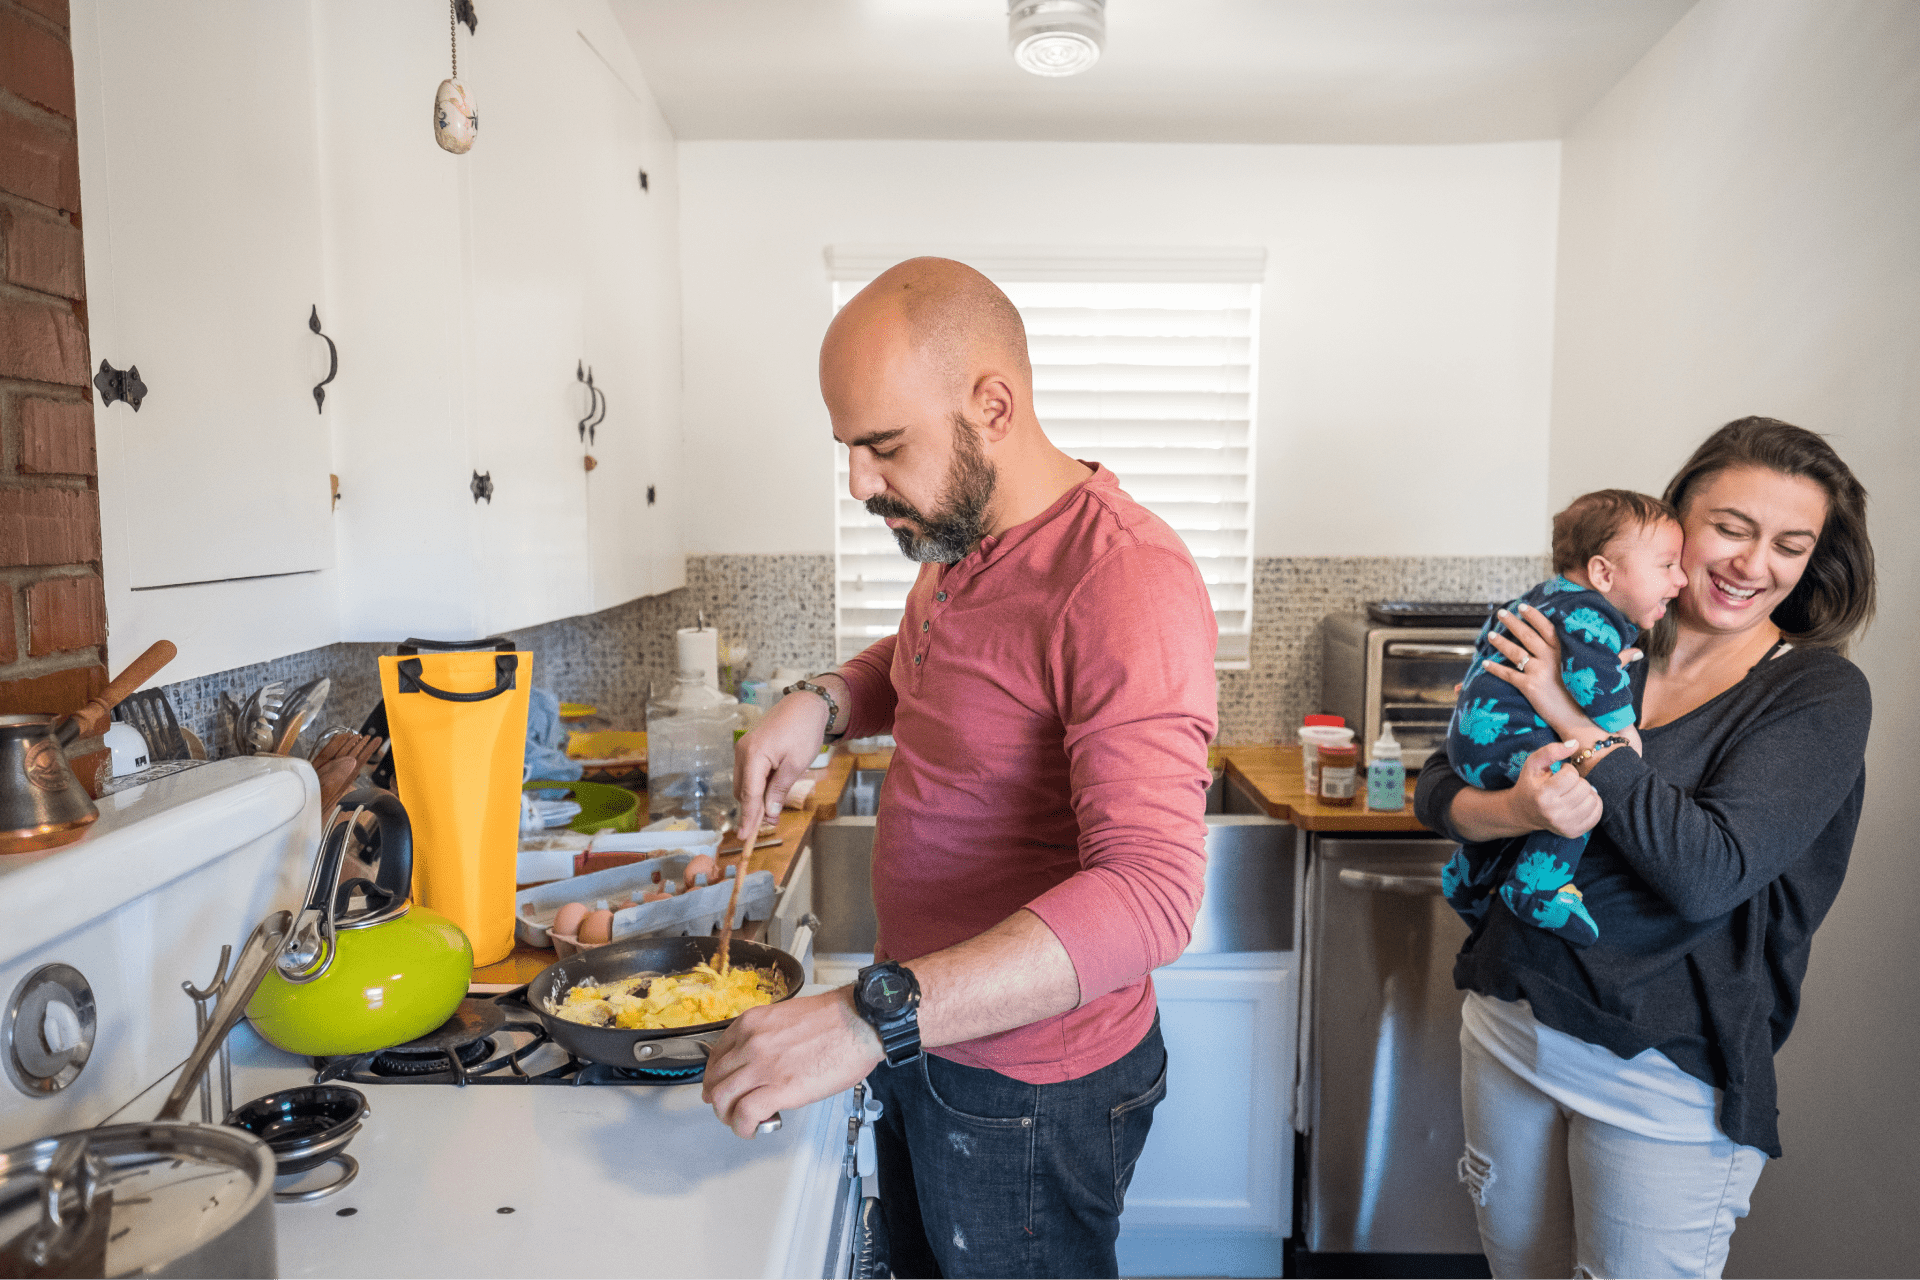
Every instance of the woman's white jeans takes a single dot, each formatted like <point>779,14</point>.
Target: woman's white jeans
<point>1562,1194</point>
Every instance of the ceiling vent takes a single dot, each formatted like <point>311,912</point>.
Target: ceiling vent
<point>1056,37</point>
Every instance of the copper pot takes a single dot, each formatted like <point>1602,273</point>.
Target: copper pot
<point>42,804</point>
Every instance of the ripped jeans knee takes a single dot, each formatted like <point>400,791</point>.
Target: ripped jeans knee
<point>1478,1173</point>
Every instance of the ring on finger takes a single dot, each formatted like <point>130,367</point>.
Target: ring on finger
<point>1521,665</point>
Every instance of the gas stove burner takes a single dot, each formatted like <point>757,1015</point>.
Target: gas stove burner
<point>601,1073</point>
<point>472,1021</point>
<point>417,1058</point>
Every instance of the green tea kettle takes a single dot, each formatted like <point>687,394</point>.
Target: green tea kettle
<point>363,968</point>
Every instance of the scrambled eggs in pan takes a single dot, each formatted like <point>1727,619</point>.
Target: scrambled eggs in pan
<point>649,1002</point>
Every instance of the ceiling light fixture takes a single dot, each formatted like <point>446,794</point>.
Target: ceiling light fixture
<point>1056,37</point>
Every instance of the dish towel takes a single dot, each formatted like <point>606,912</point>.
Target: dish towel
<point>546,760</point>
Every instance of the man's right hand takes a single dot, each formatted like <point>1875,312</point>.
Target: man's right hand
<point>768,760</point>
<point>1564,803</point>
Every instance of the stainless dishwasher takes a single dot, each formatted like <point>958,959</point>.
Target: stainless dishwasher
<point>1381,1082</point>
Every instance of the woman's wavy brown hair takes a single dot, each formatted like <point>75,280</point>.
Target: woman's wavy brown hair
<point>1834,599</point>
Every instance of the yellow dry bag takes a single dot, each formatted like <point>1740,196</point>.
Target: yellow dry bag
<point>457,713</point>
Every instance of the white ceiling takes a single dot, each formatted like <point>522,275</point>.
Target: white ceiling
<point>1324,71</point>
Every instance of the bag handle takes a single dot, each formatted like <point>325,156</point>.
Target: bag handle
<point>505,664</point>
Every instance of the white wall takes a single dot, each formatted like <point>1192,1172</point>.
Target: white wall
<point>1740,233</point>
<point>1405,328</point>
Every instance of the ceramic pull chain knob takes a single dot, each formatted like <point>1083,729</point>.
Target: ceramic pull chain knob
<point>456,120</point>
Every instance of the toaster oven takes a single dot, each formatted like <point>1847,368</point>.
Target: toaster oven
<point>1400,672</point>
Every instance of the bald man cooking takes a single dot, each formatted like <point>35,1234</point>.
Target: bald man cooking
<point>1039,846</point>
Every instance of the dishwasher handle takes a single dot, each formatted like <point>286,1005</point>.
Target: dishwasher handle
<point>1380,882</point>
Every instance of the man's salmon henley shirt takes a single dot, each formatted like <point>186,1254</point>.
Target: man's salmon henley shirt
<point>1052,696</point>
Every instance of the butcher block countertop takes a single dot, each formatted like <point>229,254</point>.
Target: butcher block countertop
<point>1276,777</point>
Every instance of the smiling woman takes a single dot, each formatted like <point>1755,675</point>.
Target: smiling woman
<point>1822,511</point>
<point>1620,1101</point>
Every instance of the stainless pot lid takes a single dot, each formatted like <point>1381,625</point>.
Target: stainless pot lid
<point>126,1200</point>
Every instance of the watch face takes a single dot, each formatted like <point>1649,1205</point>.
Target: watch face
<point>885,992</point>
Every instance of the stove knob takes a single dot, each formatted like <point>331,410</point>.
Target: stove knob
<point>60,1028</point>
<point>48,1029</point>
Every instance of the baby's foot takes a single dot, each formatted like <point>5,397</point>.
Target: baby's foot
<point>1562,912</point>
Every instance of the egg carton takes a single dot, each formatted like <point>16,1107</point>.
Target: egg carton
<point>550,856</point>
<point>695,912</point>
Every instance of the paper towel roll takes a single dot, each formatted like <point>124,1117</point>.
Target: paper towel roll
<point>699,650</point>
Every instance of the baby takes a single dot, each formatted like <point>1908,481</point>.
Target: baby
<point>1616,560</point>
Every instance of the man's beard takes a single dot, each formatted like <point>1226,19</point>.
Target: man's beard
<point>956,528</point>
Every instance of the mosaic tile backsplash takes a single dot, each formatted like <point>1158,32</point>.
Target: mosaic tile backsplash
<point>779,609</point>
<point>1292,594</point>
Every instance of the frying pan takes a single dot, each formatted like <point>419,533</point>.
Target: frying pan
<point>620,1047</point>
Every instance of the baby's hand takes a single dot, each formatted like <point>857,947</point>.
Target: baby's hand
<point>1629,656</point>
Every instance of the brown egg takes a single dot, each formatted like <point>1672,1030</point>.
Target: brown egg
<point>655,895</point>
<point>702,865</point>
<point>597,928</point>
<point>567,919</point>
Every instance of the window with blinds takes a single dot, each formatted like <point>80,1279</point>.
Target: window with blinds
<point>1152,377</point>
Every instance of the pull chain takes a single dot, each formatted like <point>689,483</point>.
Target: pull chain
<point>455,118</point>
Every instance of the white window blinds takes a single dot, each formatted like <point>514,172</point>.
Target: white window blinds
<point>1153,377</point>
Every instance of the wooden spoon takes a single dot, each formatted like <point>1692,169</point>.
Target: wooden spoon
<point>733,902</point>
<point>95,716</point>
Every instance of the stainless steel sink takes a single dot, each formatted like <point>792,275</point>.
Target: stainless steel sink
<point>1248,904</point>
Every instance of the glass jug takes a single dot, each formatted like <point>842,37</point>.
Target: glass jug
<point>690,753</point>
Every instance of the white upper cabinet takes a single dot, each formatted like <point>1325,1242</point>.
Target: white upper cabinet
<point>203,208</point>
<point>527,265</point>
<point>632,335</point>
<point>397,261</point>
<point>243,162</point>
<point>482,284</point>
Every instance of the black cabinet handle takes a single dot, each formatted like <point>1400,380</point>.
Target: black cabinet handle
<point>585,375</point>
<point>120,384</point>
<point>482,487</point>
<point>593,427</point>
<point>333,363</point>
<point>597,410</point>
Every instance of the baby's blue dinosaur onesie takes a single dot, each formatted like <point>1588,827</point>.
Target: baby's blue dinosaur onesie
<point>1494,730</point>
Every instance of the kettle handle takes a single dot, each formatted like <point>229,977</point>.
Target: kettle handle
<point>309,947</point>
<point>395,874</point>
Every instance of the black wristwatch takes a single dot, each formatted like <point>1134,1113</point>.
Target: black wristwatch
<point>888,996</point>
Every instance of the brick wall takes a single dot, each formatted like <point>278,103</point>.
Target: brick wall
<point>53,618</point>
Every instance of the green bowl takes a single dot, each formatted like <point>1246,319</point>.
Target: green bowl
<point>602,807</point>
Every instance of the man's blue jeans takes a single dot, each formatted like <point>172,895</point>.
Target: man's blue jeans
<point>983,1175</point>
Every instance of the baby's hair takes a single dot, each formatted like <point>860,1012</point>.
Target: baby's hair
<point>1593,520</point>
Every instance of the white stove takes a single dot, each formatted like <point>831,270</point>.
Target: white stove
<point>520,1180</point>
<point>477,1180</point>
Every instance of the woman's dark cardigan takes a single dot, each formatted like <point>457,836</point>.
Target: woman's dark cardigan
<point>1716,859</point>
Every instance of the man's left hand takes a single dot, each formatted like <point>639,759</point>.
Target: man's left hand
<point>788,1055</point>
